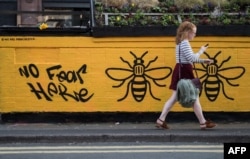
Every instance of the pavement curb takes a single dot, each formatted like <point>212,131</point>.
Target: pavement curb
<point>122,132</point>
<point>127,138</point>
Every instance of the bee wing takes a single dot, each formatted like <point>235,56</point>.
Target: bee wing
<point>202,73</point>
<point>119,74</point>
<point>231,73</point>
<point>158,73</point>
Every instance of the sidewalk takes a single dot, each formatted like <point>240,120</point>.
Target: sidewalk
<point>122,132</point>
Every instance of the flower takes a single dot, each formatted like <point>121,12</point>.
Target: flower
<point>169,18</point>
<point>118,18</point>
<point>43,26</point>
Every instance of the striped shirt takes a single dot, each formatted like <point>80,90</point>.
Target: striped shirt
<point>186,53</point>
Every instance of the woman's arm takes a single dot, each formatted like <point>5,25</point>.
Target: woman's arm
<point>190,56</point>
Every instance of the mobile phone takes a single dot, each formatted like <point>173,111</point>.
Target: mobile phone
<point>206,45</point>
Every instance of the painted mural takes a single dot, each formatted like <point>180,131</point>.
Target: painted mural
<point>86,74</point>
<point>139,77</point>
<point>215,76</point>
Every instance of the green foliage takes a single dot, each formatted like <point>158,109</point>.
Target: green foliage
<point>168,19</point>
<point>215,3</point>
<point>189,4</point>
<point>241,2</point>
<point>132,12</point>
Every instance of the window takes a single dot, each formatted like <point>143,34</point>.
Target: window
<point>67,14</point>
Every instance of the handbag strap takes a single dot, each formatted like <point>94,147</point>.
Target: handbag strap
<point>180,63</point>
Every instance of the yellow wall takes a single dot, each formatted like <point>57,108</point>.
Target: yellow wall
<point>80,66</point>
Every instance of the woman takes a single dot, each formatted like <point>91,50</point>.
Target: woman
<point>185,33</point>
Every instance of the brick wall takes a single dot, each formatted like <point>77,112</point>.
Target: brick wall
<point>86,74</point>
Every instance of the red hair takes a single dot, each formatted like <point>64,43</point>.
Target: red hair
<point>183,30</point>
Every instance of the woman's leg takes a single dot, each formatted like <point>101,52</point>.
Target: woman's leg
<point>199,114</point>
<point>198,111</point>
<point>167,106</point>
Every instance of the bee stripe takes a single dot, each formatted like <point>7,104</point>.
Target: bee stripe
<point>212,95</point>
<point>139,82</point>
<point>138,70</point>
<point>212,70</point>
<point>139,98</point>
<point>212,89</point>
<point>139,89</point>
<point>212,82</point>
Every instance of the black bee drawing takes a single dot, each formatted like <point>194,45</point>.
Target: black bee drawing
<point>138,77</point>
<point>215,75</point>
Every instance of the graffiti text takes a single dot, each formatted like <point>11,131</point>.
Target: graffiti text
<point>58,86</point>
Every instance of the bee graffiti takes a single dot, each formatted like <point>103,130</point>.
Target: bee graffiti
<point>216,75</point>
<point>138,77</point>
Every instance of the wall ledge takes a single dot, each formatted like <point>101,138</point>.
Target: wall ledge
<point>203,30</point>
<point>126,31</point>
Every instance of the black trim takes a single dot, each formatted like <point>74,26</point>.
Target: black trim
<point>203,30</point>
<point>224,30</point>
<point>35,31</point>
<point>126,31</point>
<point>102,117</point>
<point>66,5</point>
<point>135,31</point>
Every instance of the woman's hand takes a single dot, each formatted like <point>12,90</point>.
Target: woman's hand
<point>208,61</point>
<point>203,49</point>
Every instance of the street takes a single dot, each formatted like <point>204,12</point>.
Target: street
<point>118,141</point>
<point>122,150</point>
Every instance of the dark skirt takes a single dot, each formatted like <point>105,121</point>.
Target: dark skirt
<point>186,73</point>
